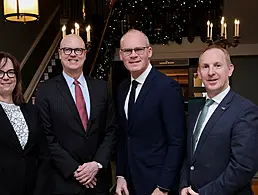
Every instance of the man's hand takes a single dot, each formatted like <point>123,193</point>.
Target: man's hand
<point>92,183</point>
<point>158,192</point>
<point>184,191</point>
<point>86,173</point>
<point>190,191</point>
<point>121,186</point>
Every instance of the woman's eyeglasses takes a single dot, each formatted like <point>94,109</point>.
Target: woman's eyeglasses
<point>10,73</point>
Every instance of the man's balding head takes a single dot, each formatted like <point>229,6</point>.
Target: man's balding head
<point>71,39</point>
<point>72,54</point>
<point>134,32</point>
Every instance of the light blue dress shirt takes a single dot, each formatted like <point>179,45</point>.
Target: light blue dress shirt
<point>84,88</point>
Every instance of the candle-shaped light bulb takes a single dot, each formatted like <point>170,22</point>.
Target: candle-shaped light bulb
<point>225,30</point>
<point>77,27</point>
<point>222,26</point>
<point>88,33</point>
<point>88,28</point>
<point>208,28</point>
<point>64,31</point>
<point>211,25</point>
<point>235,28</point>
<point>72,31</point>
<point>238,28</point>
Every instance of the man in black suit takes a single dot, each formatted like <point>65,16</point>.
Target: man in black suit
<point>79,119</point>
<point>151,124</point>
<point>222,141</point>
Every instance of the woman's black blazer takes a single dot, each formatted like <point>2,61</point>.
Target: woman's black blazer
<point>24,172</point>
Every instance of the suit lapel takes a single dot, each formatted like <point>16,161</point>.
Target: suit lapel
<point>93,93</point>
<point>194,108</point>
<point>8,131</point>
<point>32,126</point>
<point>220,110</point>
<point>124,91</point>
<point>143,93</point>
<point>65,92</point>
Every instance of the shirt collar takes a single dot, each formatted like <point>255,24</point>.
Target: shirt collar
<point>143,76</point>
<point>70,80</point>
<point>218,98</point>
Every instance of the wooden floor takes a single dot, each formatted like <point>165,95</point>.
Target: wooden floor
<point>255,186</point>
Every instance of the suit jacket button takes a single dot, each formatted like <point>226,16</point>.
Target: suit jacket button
<point>129,137</point>
<point>192,168</point>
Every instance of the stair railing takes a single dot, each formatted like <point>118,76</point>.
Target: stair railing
<point>36,78</point>
<point>35,43</point>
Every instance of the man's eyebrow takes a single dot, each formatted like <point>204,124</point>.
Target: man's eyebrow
<point>216,63</point>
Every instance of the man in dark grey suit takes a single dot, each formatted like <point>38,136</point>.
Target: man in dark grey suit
<point>222,141</point>
<point>78,116</point>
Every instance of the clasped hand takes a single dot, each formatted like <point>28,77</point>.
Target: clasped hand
<point>86,174</point>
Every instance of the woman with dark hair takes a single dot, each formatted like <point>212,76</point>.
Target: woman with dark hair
<point>24,155</point>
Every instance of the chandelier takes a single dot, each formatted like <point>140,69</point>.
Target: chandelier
<point>222,38</point>
<point>78,31</point>
<point>21,10</point>
<point>81,29</point>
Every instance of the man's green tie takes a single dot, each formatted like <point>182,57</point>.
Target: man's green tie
<point>200,121</point>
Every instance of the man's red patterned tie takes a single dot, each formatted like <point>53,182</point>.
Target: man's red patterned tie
<point>80,104</point>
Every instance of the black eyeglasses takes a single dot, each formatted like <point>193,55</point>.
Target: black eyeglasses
<point>68,50</point>
<point>10,73</point>
<point>137,50</point>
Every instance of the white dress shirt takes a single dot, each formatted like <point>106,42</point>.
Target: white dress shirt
<point>141,79</point>
<point>217,99</point>
<point>84,88</point>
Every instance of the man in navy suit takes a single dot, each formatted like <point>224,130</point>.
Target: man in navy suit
<point>151,131</point>
<point>222,150</point>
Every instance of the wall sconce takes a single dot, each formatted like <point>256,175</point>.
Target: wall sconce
<point>222,37</point>
<point>21,10</point>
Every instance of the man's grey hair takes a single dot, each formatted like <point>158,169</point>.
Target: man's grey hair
<point>133,31</point>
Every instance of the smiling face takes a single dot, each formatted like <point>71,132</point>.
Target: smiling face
<point>7,84</point>
<point>214,71</point>
<point>136,63</point>
<point>72,63</point>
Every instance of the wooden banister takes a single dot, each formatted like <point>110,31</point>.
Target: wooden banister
<point>35,43</point>
<point>36,78</point>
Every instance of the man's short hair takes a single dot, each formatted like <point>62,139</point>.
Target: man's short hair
<point>134,30</point>
<point>216,46</point>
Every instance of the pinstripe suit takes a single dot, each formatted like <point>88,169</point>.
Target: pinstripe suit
<point>69,144</point>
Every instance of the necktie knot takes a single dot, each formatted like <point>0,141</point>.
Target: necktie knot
<point>209,102</point>
<point>134,84</point>
<point>76,82</point>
